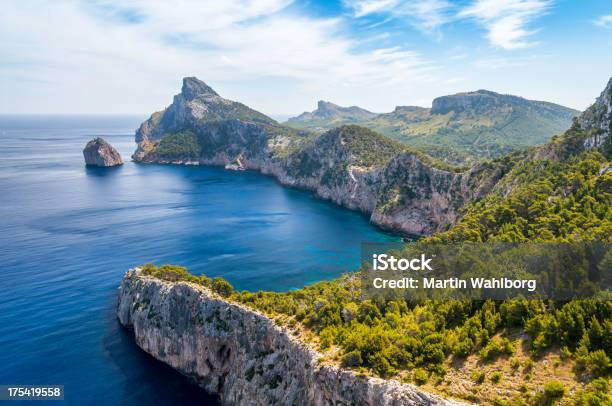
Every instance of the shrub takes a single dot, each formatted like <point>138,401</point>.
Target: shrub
<point>478,377</point>
<point>382,366</point>
<point>596,363</point>
<point>597,393</point>
<point>352,359</point>
<point>222,287</point>
<point>495,348</point>
<point>326,337</point>
<point>172,273</point>
<point>552,393</point>
<point>463,348</point>
<point>495,377</point>
<point>420,376</point>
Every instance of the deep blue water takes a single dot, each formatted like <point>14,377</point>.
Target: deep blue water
<point>68,233</point>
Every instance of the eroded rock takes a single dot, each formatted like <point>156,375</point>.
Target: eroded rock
<point>98,152</point>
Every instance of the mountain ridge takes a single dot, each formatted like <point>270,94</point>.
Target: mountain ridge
<point>460,128</point>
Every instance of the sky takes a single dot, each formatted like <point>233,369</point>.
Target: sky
<point>282,56</point>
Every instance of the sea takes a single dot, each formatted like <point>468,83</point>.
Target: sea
<point>68,233</point>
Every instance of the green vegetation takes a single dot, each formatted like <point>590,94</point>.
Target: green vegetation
<point>478,377</point>
<point>181,145</point>
<point>420,376</point>
<point>549,200</point>
<point>553,392</point>
<point>459,134</point>
<point>175,273</point>
<point>393,335</point>
<point>543,199</point>
<point>366,147</point>
<point>597,393</point>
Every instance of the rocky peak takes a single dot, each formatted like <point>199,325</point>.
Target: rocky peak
<point>194,87</point>
<point>323,105</point>
<point>98,152</point>
<point>478,100</point>
<point>196,105</point>
<point>327,110</point>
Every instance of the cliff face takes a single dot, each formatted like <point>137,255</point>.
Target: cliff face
<point>598,118</point>
<point>350,165</point>
<point>241,354</point>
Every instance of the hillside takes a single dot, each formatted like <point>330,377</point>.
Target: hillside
<point>461,128</point>
<point>513,352</point>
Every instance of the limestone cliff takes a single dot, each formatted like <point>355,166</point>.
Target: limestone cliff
<point>98,152</point>
<point>598,119</point>
<point>242,355</point>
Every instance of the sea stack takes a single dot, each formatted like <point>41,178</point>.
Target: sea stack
<point>98,152</point>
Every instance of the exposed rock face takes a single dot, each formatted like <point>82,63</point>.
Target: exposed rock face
<point>196,102</point>
<point>241,354</point>
<point>98,152</point>
<point>481,100</point>
<point>598,118</point>
<point>350,165</point>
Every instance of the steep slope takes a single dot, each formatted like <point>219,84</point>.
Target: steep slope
<point>350,165</point>
<point>597,122</point>
<point>467,127</point>
<point>329,115</point>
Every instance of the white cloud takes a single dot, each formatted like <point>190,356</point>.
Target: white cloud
<point>128,55</point>
<point>505,63</point>
<point>604,21</point>
<point>506,20</point>
<point>426,15</point>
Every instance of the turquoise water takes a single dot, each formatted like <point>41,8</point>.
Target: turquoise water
<point>68,233</point>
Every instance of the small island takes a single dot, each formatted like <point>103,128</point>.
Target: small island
<point>100,153</point>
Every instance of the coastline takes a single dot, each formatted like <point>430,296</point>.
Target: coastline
<point>241,354</point>
<point>384,222</point>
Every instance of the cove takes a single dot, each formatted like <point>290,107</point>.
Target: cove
<point>69,233</point>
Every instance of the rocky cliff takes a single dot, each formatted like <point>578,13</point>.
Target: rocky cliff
<point>598,119</point>
<point>240,354</point>
<point>350,165</point>
<point>98,152</point>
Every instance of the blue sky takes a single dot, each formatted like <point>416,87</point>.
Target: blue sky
<point>281,56</point>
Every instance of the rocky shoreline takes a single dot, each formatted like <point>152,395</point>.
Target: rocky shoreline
<point>352,166</point>
<point>241,354</point>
